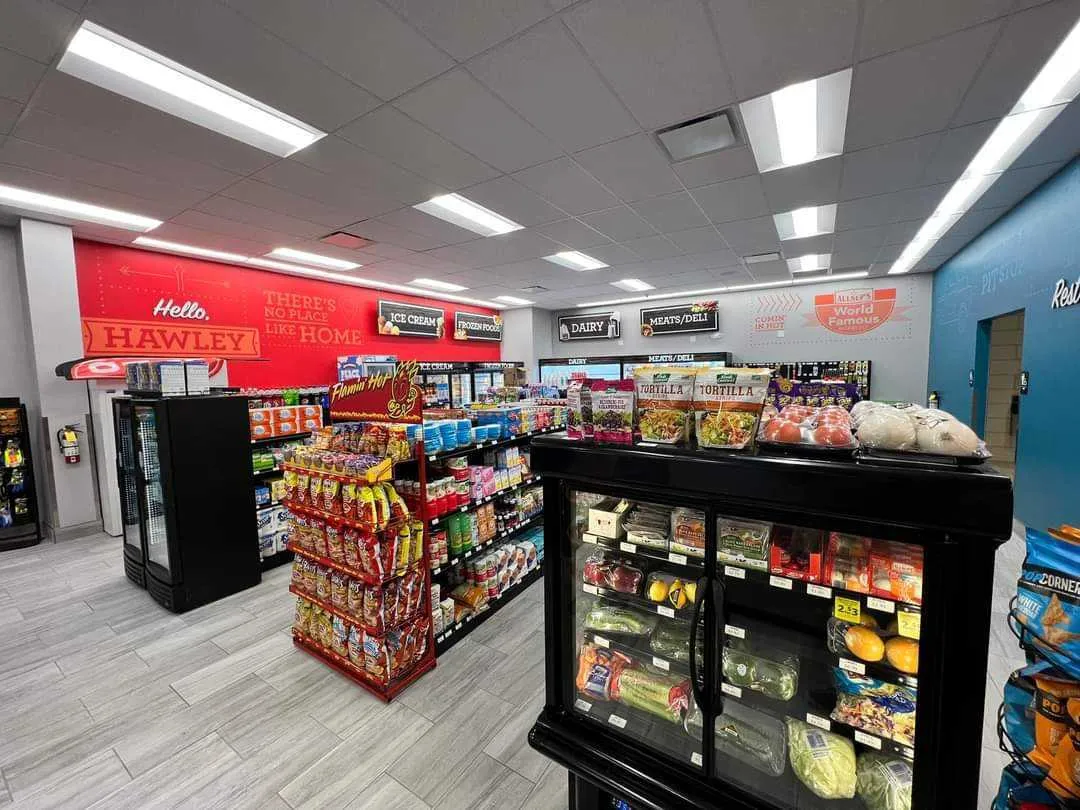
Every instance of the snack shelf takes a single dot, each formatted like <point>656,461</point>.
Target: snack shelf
<point>638,602</point>
<point>451,636</point>
<point>373,475</point>
<point>351,572</point>
<point>275,560</point>
<point>385,692</point>
<point>490,444</point>
<point>612,642</point>
<point>665,736</point>
<point>477,503</point>
<point>260,475</point>
<point>330,517</point>
<point>503,535</point>
<point>645,552</point>
<point>344,614</point>
<point>275,439</point>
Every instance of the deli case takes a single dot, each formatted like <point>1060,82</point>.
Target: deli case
<point>756,631</point>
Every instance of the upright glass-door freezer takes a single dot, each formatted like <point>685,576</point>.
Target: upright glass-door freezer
<point>753,631</point>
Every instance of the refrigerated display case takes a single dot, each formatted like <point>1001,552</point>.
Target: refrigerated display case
<point>558,372</point>
<point>20,524</point>
<point>445,385</point>
<point>754,631</point>
<point>190,462</point>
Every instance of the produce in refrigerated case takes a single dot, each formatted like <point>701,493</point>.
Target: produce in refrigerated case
<point>822,760</point>
<point>777,679</point>
<point>619,620</point>
<point>663,588</point>
<point>876,706</point>
<point>688,532</point>
<point>671,639</point>
<point>614,574</point>
<point>847,562</point>
<point>656,693</point>
<point>747,735</point>
<point>828,427</point>
<point>796,553</point>
<point>883,782</point>
<point>598,669</point>
<point>896,571</point>
<point>860,641</point>
<point>743,543</point>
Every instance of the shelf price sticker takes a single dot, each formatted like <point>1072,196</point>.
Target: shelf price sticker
<point>678,559</point>
<point>582,705</point>
<point>731,689</point>
<point>629,548</point>
<point>884,605</point>
<point>660,663</point>
<point>908,624</point>
<point>589,538</point>
<point>618,722</point>
<point>820,722</point>
<point>734,632</point>
<point>663,610</point>
<point>853,667</point>
<point>847,610</point>
<point>600,641</point>
<point>783,583</point>
<point>818,590</point>
<point>868,739</point>
<point>734,572</point>
<point>591,589</point>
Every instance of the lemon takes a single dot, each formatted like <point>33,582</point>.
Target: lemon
<point>658,590</point>
<point>690,589</point>
<point>677,594</point>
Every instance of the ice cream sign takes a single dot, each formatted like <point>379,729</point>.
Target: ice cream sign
<point>855,312</point>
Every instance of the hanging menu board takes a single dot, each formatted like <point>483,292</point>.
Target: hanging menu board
<point>703,316</point>
<point>396,318</point>
<point>472,326</point>
<point>593,326</point>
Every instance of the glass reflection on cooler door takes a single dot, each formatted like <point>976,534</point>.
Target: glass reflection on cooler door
<point>155,528</point>
<point>129,496</point>
<point>639,576</point>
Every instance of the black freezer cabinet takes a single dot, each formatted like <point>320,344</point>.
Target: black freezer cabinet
<point>184,469</point>
<point>747,631</point>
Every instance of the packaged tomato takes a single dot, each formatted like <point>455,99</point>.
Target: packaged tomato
<point>369,555</point>
<point>376,657</point>
<point>354,599</point>
<point>334,548</point>
<point>374,610</point>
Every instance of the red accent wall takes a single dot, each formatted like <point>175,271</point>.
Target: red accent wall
<point>303,324</point>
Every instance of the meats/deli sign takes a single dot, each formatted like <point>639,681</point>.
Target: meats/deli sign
<point>703,316</point>
<point>855,312</point>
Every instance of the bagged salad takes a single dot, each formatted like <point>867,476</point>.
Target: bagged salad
<point>665,399</point>
<point>727,405</point>
<point>883,782</point>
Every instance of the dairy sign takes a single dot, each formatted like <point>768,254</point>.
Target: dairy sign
<point>396,318</point>
<point>703,316</point>
<point>473,326</point>
<point>594,326</point>
<point>856,311</point>
<point>1065,294</point>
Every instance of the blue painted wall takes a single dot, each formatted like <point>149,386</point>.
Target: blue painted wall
<point>1014,265</point>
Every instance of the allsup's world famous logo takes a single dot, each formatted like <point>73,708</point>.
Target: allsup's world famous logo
<point>855,311</point>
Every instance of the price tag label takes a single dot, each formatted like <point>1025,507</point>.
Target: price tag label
<point>680,559</point>
<point>601,641</point>
<point>847,610</point>
<point>582,705</point>
<point>852,666</point>
<point>436,572</point>
<point>884,605</point>
<point>589,589</point>
<point>665,611</point>
<point>618,722</point>
<point>734,572</point>
<point>868,739</point>
<point>646,444</point>
<point>819,590</point>
<point>468,618</point>
<point>440,638</point>
<point>780,582</point>
<point>731,689</point>
<point>629,548</point>
<point>695,758</point>
<point>820,722</point>
<point>660,663</point>
<point>589,538</point>
<point>734,632</point>
<point>907,752</point>
<point>908,624</point>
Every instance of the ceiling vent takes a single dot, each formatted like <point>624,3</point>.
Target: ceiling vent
<point>344,239</point>
<point>757,258</point>
<point>536,288</point>
<point>710,133</point>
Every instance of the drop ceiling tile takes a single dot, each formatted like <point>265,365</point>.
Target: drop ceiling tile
<point>544,76</point>
<point>918,203</point>
<point>1058,142</point>
<point>614,254</point>
<point>769,271</point>
<point>283,224</point>
<point>727,164</point>
<point>185,234</point>
<point>699,240</point>
<point>976,221</point>
<point>514,273</point>
<point>811,244</point>
<point>565,184</point>
<point>1026,42</point>
<point>619,223</point>
<point>885,168</point>
<point>573,233</point>
<point>860,239</point>
<point>393,235</point>
<point>334,190</point>
<point>947,246</point>
<point>360,39</point>
<point>426,225</point>
<point>36,29</point>
<point>336,156</point>
<point>380,251</point>
<point>463,28</point>
<point>889,254</point>
<point>391,134</point>
<point>900,233</point>
<point>890,26</point>
<point>18,76</point>
<point>661,58</point>
<point>633,168</point>
<point>954,151</point>
<point>9,114</point>
<point>671,212</point>
<point>719,260</point>
<point>1015,184</point>
<point>916,90</point>
<point>464,112</point>
<point>46,129</point>
<point>220,225</point>
<point>749,236</point>
<point>511,247</point>
<point>809,184</point>
<point>653,247</point>
<point>768,44</point>
<point>743,198</point>
<point>513,200</point>
<point>207,36</point>
<point>264,195</point>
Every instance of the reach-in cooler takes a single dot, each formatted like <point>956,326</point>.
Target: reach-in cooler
<point>753,631</point>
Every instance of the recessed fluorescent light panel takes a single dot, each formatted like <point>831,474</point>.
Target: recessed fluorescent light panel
<point>464,213</point>
<point>799,123</point>
<point>576,260</point>
<point>1055,85</point>
<point>513,301</point>
<point>758,258</point>
<point>101,57</point>
<point>34,202</point>
<point>810,263</point>
<point>304,257</point>
<point>435,284</point>
<point>191,250</point>
<point>633,285</point>
<point>813,220</point>
<point>698,137</point>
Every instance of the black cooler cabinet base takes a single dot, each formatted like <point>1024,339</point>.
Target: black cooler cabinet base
<point>135,571</point>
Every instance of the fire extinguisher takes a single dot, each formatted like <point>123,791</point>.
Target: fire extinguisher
<point>68,437</point>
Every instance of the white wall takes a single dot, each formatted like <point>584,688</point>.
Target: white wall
<point>526,337</point>
<point>899,349</point>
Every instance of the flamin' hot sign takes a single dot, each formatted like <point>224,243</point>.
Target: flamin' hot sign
<point>380,397</point>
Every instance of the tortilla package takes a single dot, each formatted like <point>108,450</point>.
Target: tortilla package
<point>727,405</point>
<point>665,398</point>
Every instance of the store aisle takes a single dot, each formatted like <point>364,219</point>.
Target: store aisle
<point>109,701</point>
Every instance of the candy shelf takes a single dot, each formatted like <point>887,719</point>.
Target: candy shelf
<point>452,635</point>
<point>275,439</point>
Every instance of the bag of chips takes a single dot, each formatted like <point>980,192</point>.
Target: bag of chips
<point>376,657</point>
<point>339,590</point>
<point>354,604</point>
<point>374,610</point>
<point>1048,597</point>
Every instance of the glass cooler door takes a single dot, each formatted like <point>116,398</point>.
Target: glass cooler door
<point>636,586</point>
<point>127,475</point>
<point>818,633</point>
<point>155,528</point>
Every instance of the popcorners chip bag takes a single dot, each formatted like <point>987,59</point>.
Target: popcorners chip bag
<point>1048,597</point>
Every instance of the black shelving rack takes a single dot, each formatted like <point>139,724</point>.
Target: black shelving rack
<point>257,477</point>
<point>20,497</point>
<point>956,518</point>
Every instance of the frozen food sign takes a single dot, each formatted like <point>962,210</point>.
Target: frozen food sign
<point>1065,294</point>
<point>594,326</point>
<point>471,326</point>
<point>702,316</point>
<point>396,318</point>
<point>855,312</point>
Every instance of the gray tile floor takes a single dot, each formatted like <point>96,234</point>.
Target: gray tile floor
<point>108,701</point>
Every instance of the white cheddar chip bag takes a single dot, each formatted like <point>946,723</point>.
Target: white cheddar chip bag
<point>727,405</point>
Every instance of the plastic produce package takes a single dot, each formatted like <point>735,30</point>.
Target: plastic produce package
<point>665,399</point>
<point>619,620</point>
<point>915,429</point>
<point>743,543</point>
<point>1047,603</point>
<point>883,783</point>
<point>747,735</point>
<point>878,707</point>
<point>778,679</point>
<point>727,405</point>
<point>688,532</point>
<point>810,427</point>
<point>598,669</point>
<point>671,639</point>
<point>616,575</point>
<point>823,761</point>
<point>657,693</point>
